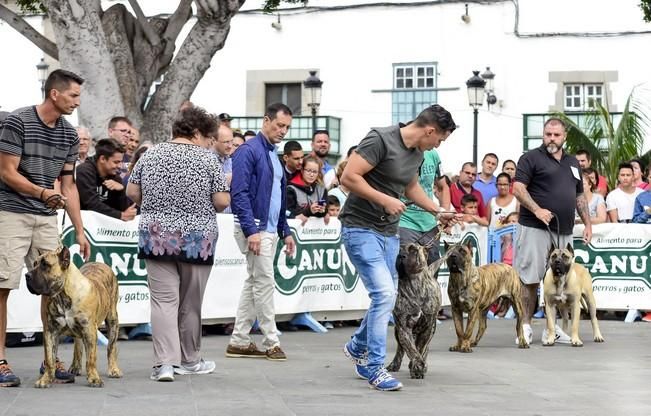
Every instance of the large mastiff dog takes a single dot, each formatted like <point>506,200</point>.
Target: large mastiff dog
<point>417,304</point>
<point>474,289</point>
<point>79,300</point>
<point>566,285</point>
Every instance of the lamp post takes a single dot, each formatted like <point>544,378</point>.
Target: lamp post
<point>475,86</point>
<point>42,69</point>
<point>313,85</point>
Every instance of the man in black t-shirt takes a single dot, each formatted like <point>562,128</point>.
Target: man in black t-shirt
<point>549,187</point>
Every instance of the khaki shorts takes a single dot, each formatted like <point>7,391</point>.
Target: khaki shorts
<point>531,249</point>
<point>23,237</point>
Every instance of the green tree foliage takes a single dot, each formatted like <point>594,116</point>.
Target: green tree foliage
<point>608,144</point>
<point>645,5</point>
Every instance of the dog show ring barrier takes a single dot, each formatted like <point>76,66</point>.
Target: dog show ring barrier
<point>319,282</point>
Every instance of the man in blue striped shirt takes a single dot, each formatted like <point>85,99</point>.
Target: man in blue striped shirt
<point>37,145</point>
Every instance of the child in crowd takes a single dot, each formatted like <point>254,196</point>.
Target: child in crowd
<point>470,210</point>
<point>499,309</point>
<point>333,206</point>
<point>306,193</point>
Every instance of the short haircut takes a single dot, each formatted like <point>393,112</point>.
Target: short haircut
<point>326,132</point>
<point>493,155</point>
<point>503,175</point>
<point>624,165</point>
<point>639,163</point>
<point>333,200</point>
<point>60,80</point>
<point>292,146</point>
<point>276,108</point>
<point>469,164</point>
<point>509,161</point>
<point>249,133</point>
<point>555,120</point>
<point>584,152</point>
<point>238,134</point>
<point>468,199</point>
<point>117,119</point>
<point>435,115</point>
<point>194,119</point>
<point>108,147</point>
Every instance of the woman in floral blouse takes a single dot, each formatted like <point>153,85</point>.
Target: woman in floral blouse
<point>180,188</point>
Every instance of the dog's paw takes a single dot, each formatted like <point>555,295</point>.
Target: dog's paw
<point>43,383</point>
<point>465,348</point>
<point>522,343</point>
<point>74,370</point>
<point>95,382</point>
<point>115,373</point>
<point>455,348</point>
<point>393,367</point>
<point>549,342</point>
<point>599,338</point>
<point>577,342</point>
<point>417,374</point>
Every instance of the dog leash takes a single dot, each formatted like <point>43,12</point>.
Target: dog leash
<point>558,234</point>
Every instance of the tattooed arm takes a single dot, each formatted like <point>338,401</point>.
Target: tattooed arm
<point>584,213</point>
<point>525,199</point>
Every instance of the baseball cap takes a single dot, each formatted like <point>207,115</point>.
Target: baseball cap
<point>225,116</point>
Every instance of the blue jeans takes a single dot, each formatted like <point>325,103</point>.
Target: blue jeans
<point>374,256</point>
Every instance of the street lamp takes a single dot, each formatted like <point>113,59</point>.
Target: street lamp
<point>488,75</point>
<point>41,69</point>
<point>313,85</point>
<point>475,86</point>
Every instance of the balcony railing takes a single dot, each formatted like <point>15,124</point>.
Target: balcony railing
<point>301,130</point>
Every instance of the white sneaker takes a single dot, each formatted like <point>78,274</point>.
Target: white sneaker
<point>528,334</point>
<point>163,373</point>
<point>202,367</point>
<point>561,336</point>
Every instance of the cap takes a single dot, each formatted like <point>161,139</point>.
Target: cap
<point>225,116</point>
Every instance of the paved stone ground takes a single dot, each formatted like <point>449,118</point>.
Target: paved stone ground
<point>496,379</point>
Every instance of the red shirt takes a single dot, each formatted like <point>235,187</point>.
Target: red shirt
<point>457,192</point>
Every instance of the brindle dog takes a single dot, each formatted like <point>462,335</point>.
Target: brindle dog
<point>474,289</point>
<point>417,304</point>
<point>79,300</point>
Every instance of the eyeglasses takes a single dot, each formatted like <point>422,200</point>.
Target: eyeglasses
<point>311,171</point>
<point>470,173</point>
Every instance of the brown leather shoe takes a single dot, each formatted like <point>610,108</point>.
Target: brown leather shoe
<point>251,351</point>
<point>276,354</point>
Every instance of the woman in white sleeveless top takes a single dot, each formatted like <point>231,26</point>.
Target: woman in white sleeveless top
<point>503,204</point>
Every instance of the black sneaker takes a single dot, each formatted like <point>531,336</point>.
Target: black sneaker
<point>61,375</point>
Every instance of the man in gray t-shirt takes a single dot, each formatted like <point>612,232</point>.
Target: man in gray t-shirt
<point>383,168</point>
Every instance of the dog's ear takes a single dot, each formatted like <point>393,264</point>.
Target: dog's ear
<point>469,245</point>
<point>64,258</point>
<point>570,248</point>
<point>551,250</point>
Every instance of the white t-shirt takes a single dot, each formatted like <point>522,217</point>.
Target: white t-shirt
<point>623,202</point>
<point>498,212</point>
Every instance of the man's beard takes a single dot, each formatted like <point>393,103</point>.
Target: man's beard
<point>321,152</point>
<point>552,148</point>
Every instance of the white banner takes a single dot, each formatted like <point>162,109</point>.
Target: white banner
<point>320,277</point>
<point>618,260</point>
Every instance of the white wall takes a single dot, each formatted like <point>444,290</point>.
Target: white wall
<point>355,49</point>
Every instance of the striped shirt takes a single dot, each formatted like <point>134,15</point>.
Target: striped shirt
<point>42,150</point>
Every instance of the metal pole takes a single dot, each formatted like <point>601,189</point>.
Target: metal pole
<point>474,142</point>
<point>43,89</point>
<point>313,107</point>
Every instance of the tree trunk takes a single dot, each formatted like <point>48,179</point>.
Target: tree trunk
<point>84,51</point>
<point>207,36</point>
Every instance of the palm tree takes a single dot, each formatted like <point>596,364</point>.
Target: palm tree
<point>608,144</point>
